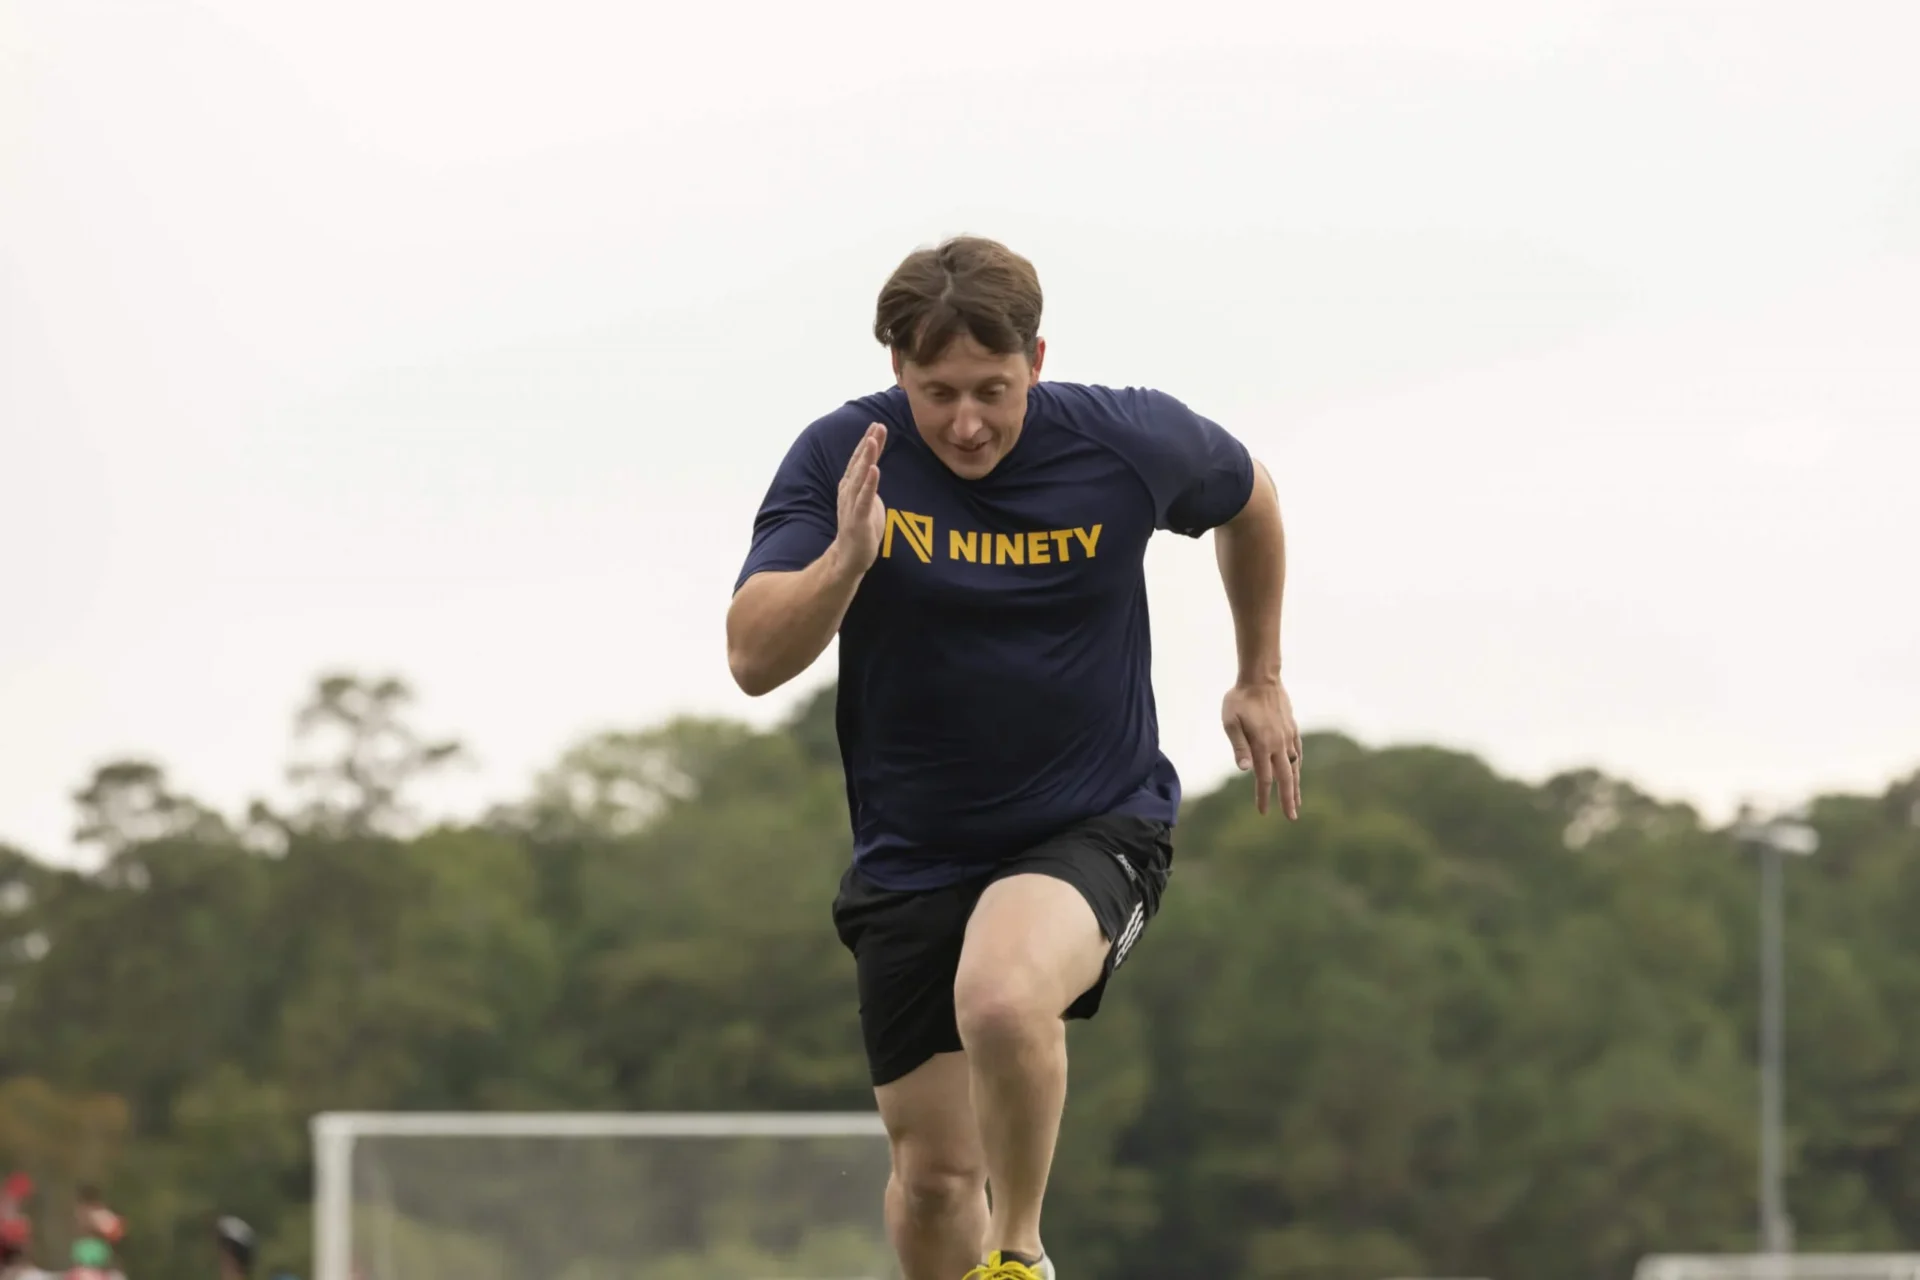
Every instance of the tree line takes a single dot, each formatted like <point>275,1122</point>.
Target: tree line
<point>1449,1024</point>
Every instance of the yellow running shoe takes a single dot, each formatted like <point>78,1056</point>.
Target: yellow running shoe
<point>1000,1267</point>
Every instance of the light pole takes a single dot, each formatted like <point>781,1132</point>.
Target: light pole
<point>1773,839</point>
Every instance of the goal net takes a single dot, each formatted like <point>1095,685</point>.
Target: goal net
<point>509,1196</point>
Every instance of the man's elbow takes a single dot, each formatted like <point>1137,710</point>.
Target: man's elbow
<point>749,669</point>
<point>752,677</point>
<point>747,661</point>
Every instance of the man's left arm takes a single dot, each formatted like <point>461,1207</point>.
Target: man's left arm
<point>1251,550</point>
<point>1202,478</point>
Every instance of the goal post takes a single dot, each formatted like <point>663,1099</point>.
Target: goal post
<point>599,1196</point>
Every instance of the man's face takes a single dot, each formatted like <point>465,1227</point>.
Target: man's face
<point>969,404</point>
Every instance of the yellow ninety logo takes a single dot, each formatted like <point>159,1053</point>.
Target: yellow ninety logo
<point>978,546</point>
<point>917,530</point>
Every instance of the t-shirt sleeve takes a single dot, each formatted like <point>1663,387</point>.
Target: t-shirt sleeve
<point>1199,474</point>
<point>798,516</point>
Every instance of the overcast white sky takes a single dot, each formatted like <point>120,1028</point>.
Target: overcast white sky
<point>458,340</point>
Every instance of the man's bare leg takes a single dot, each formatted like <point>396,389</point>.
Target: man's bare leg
<point>1032,947</point>
<point>937,1194</point>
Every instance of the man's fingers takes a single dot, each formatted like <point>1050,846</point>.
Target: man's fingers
<point>1242,753</point>
<point>1253,747</point>
<point>1295,754</point>
<point>1260,750</point>
<point>1263,779</point>
<point>861,483</point>
<point>1288,771</point>
<point>866,451</point>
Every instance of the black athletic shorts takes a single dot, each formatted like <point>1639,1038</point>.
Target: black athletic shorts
<point>906,943</point>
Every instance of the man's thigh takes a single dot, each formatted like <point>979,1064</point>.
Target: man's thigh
<point>1071,909</point>
<point>906,951</point>
<point>1033,945</point>
<point>907,946</point>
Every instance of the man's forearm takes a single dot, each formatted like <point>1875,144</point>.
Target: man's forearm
<point>779,623</point>
<point>1252,553</point>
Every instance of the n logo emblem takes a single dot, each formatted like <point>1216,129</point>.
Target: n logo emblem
<point>916,529</point>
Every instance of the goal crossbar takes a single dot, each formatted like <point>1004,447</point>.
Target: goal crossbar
<point>334,1133</point>
<point>1779,1266</point>
<point>348,1125</point>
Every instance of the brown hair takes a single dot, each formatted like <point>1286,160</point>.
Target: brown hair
<point>963,285</point>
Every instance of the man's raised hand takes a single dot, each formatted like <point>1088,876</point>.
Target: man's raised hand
<point>862,516</point>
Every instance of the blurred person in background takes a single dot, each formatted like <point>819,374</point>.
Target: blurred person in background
<point>97,1233</point>
<point>15,1264</point>
<point>233,1240</point>
<point>92,1260</point>
<point>93,1220</point>
<point>14,1194</point>
<point>16,1231</point>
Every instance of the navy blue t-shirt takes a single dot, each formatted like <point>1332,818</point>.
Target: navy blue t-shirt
<point>995,665</point>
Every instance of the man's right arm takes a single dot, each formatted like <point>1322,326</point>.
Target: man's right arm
<point>781,618</point>
<point>779,623</point>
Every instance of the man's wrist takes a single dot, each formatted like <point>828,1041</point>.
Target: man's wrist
<point>1267,674</point>
<point>839,565</point>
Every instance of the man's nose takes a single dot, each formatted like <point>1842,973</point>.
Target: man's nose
<point>967,423</point>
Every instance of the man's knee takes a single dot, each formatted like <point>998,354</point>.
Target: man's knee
<point>1005,1005</point>
<point>938,1164</point>
<point>1033,946</point>
<point>936,1183</point>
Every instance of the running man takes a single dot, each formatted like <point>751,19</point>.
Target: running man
<point>975,537</point>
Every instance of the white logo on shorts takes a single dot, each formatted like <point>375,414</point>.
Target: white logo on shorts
<point>1130,935</point>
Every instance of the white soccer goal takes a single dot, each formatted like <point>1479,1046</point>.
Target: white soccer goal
<point>1779,1266</point>
<point>599,1196</point>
